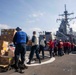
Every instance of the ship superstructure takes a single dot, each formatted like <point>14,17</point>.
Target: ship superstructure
<point>65,32</point>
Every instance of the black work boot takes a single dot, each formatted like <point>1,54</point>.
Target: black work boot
<point>29,62</point>
<point>16,68</point>
<point>39,61</point>
<point>24,66</point>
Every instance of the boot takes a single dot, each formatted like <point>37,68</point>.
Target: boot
<point>39,61</point>
<point>26,67</point>
<point>29,62</point>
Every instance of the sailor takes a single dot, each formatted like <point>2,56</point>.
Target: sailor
<point>34,48</point>
<point>20,39</point>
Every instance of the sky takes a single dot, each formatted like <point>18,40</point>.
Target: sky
<point>35,15</point>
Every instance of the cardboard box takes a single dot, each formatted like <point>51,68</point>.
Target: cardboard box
<point>29,43</point>
<point>4,60</point>
<point>3,44</point>
<point>8,31</point>
<point>8,38</point>
<point>1,48</point>
<point>0,37</point>
<point>7,34</point>
<point>2,52</point>
<point>11,53</point>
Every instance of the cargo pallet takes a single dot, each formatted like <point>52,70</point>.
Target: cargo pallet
<point>4,68</point>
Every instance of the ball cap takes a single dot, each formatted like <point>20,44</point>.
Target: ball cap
<point>18,28</point>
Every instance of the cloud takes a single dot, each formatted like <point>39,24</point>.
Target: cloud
<point>37,14</point>
<point>35,17</point>
<point>31,21</point>
<point>73,26</point>
<point>4,26</point>
<point>35,29</point>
